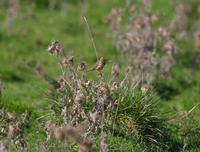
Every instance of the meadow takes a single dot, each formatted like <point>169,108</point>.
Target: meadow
<point>72,77</point>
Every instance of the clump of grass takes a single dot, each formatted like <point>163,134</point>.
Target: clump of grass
<point>102,108</point>
<point>185,130</point>
<point>79,101</point>
<point>137,117</point>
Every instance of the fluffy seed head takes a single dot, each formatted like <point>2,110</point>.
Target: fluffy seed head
<point>55,48</point>
<point>81,66</point>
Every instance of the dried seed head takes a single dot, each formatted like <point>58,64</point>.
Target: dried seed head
<point>50,92</point>
<point>115,70</point>
<point>114,18</point>
<point>162,32</point>
<point>81,66</point>
<point>25,117</point>
<point>11,116</point>
<point>68,132</point>
<point>2,148</point>
<point>62,81</point>
<point>103,143</point>
<point>144,89</point>
<point>51,107</point>
<point>147,4</point>
<point>49,129</point>
<point>132,9</point>
<point>86,146</point>
<point>129,69</point>
<point>68,62</point>
<point>21,144</point>
<point>55,48</point>
<point>146,60</point>
<point>2,113</point>
<point>114,87</point>
<point>13,130</point>
<point>101,88</point>
<point>28,63</point>
<point>80,97</point>
<point>140,23</point>
<point>94,116</point>
<point>85,84</point>
<point>170,47</point>
<point>183,9</point>
<point>166,64</point>
<point>155,18</point>
<point>39,69</point>
<point>183,35</point>
<point>59,133</point>
<point>61,90</point>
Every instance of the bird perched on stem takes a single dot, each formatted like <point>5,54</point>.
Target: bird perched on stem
<point>99,65</point>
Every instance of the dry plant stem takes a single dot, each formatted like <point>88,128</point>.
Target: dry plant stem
<point>115,118</point>
<point>90,35</point>
<point>64,72</point>
<point>138,79</point>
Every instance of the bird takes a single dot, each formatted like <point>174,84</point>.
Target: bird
<point>99,65</point>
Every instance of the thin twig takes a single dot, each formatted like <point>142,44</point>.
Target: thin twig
<point>90,35</point>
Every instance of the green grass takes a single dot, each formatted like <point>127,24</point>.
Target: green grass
<point>25,90</point>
